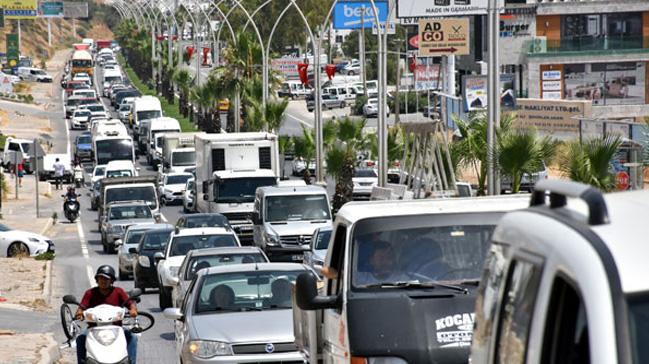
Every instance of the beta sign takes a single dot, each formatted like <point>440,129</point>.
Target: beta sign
<point>444,37</point>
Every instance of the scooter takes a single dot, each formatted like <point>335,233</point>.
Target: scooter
<point>78,178</point>
<point>71,208</point>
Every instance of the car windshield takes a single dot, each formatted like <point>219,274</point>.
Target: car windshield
<point>178,180</point>
<point>420,248</point>
<point>125,107</point>
<point>322,240</point>
<point>238,190</point>
<point>187,158</point>
<point>639,326</point>
<point>133,237</point>
<point>4,227</point>
<point>296,207</point>
<point>246,291</point>
<point>365,173</point>
<point>155,239</point>
<point>143,193</point>
<point>82,113</point>
<point>129,212</point>
<point>203,221</point>
<point>84,140</point>
<point>120,173</point>
<point>95,108</point>
<point>148,114</point>
<point>26,147</point>
<point>99,171</point>
<point>206,261</point>
<point>183,244</point>
<point>113,149</point>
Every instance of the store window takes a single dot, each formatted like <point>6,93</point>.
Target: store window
<point>601,31</point>
<point>621,83</point>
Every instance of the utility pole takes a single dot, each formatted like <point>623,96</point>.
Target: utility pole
<point>36,172</point>
<point>49,32</point>
<point>361,50</point>
<point>19,36</point>
<point>493,85</point>
<point>397,101</point>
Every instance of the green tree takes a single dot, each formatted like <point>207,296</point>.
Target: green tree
<point>521,152</point>
<point>589,162</point>
<point>183,80</point>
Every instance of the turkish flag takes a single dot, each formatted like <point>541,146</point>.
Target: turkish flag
<point>301,70</point>
<point>190,51</point>
<point>206,51</point>
<point>159,37</point>
<point>330,69</point>
<point>412,64</point>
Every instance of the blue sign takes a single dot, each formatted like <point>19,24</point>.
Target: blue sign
<point>357,14</point>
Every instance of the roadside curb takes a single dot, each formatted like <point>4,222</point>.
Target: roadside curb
<point>47,287</point>
<point>50,353</point>
<point>47,226</point>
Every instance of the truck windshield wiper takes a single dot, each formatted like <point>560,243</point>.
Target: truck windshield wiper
<point>417,284</point>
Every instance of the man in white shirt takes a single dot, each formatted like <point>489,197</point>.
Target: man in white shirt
<point>59,171</point>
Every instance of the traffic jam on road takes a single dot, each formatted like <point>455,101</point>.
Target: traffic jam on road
<point>244,259</point>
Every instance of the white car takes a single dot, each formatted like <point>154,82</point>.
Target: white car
<point>180,243</point>
<point>352,68</point>
<point>364,179</point>
<point>371,108</point>
<point>13,78</point>
<point>189,195</point>
<point>124,111</point>
<point>82,77</point>
<point>80,118</point>
<point>16,243</point>
<point>98,173</point>
<point>172,187</point>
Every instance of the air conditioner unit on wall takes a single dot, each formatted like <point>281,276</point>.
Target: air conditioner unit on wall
<point>539,45</point>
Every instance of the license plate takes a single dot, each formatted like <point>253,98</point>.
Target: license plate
<point>296,257</point>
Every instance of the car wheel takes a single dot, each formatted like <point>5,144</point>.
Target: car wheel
<point>18,249</point>
<point>351,73</point>
<point>121,275</point>
<point>164,298</point>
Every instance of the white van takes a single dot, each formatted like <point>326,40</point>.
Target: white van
<point>120,168</point>
<point>33,74</point>
<point>145,107</point>
<point>112,76</point>
<point>293,90</point>
<point>341,92</point>
<point>156,128</point>
<point>87,93</point>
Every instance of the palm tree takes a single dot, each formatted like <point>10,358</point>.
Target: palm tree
<point>304,147</point>
<point>521,152</point>
<point>590,161</point>
<point>395,144</point>
<point>269,118</point>
<point>183,80</point>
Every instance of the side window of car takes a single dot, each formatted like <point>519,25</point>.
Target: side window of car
<point>188,294</point>
<point>516,310</point>
<point>566,328</point>
<point>14,146</point>
<point>490,295</point>
<point>338,260</point>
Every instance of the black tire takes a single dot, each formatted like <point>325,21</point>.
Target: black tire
<point>121,275</point>
<point>164,298</point>
<point>66,318</point>
<point>145,320</point>
<point>17,248</point>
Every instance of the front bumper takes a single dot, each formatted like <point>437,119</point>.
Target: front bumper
<point>293,357</point>
<point>286,253</point>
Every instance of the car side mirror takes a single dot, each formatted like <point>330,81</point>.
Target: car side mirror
<point>175,281</point>
<point>132,250</point>
<point>118,242</point>
<point>306,294</point>
<point>70,299</point>
<point>157,216</point>
<point>173,313</point>
<point>135,293</point>
<point>206,197</point>
<point>255,218</point>
<point>158,256</point>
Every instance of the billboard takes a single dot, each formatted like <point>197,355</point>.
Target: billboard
<point>287,67</point>
<point>19,9</point>
<point>434,8</point>
<point>427,75</point>
<point>52,9</point>
<point>13,51</point>
<point>444,37</point>
<point>75,10</point>
<point>357,14</point>
<point>475,92</point>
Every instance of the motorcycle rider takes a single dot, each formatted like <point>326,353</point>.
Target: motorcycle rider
<point>106,293</point>
<point>70,194</point>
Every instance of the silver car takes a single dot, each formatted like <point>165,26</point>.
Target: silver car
<point>119,216</point>
<point>199,259</point>
<point>238,313</point>
<point>131,239</point>
<point>315,257</point>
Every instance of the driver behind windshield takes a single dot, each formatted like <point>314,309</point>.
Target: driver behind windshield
<point>381,265</point>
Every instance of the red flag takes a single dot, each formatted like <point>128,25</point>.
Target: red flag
<point>301,70</point>
<point>330,69</point>
<point>205,52</point>
<point>159,37</point>
<point>412,65</point>
<point>190,51</point>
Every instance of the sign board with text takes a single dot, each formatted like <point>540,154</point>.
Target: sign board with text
<point>286,66</point>
<point>430,8</point>
<point>6,87</point>
<point>358,14</point>
<point>53,9</point>
<point>557,119</point>
<point>392,29</point>
<point>75,10</point>
<point>13,51</point>
<point>19,9</point>
<point>444,37</point>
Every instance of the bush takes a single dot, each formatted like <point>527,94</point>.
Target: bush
<point>357,109</point>
<point>412,102</point>
<point>45,256</point>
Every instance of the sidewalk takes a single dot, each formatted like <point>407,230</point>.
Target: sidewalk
<point>20,213</point>
<point>43,348</point>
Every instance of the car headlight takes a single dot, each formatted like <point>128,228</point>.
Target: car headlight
<point>144,261</point>
<point>106,336</point>
<point>34,240</point>
<point>271,240</point>
<point>208,349</point>
<point>173,271</point>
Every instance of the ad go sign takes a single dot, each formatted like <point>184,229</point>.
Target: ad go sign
<point>358,14</point>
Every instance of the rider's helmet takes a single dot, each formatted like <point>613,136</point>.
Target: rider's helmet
<point>106,271</point>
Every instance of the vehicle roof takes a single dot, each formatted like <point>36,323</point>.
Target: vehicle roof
<point>245,173</point>
<point>119,163</point>
<point>149,226</point>
<point>18,140</point>
<point>224,251</point>
<point>355,211</point>
<point>203,231</point>
<point>164,122</point>
<point>233,137</point>
<point>203,214</point>
<point>234,268</point>
<point>291,190</point>
<point>179,174</point>
<point>127,203</point>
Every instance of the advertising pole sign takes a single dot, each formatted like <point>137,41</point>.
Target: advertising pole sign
<point>75,10</point>
<point>52,9</point>
<point>444,37</point>
<point>358,14</point>
<point>19,9</point>
<point>13,50</point>
<point>434,8</point>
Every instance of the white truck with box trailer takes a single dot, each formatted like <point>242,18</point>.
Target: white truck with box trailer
<point>229,168</point>
<point>178,151</point>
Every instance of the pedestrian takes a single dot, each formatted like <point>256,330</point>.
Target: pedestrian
<point>59,171</point>
<point>20,171</point>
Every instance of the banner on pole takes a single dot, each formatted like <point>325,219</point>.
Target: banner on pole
<point>358,14</point>
<point>75,10</point>
<point>53,9</point>
<point>286,66</point>
<point>13,52</point>
<point>427,74</point>
<point>444,37</point>
<point>19,9</point>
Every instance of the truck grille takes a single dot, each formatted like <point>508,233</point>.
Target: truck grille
<point>261,348</point>
<point>295,239</point>
<point>237,216</point>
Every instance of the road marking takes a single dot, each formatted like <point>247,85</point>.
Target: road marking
<point>67,126</point>
<point>305,123</point>
<point>163,217</point>
<point>84,252</point>
<point>91,276</point>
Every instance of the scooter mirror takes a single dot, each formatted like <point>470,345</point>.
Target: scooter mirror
<point>134,293</point>
<point>70,299</point>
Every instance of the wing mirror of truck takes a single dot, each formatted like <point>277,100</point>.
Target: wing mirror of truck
<point>306,294</point>
<point>206,188</point>
<point>255,218</point>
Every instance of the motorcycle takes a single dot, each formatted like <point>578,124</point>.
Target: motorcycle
<point>78,178</point>
<point>71,207</point>
<point>105,342</point>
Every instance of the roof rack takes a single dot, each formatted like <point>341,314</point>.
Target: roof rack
<point>559,190</point>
